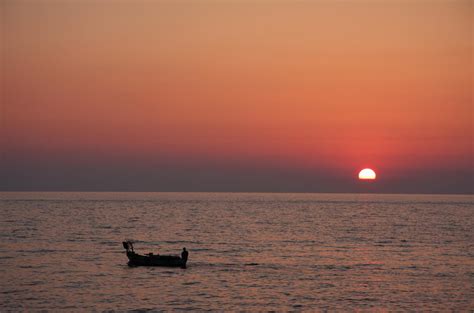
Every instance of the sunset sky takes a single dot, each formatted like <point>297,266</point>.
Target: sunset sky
<point>237,95</point>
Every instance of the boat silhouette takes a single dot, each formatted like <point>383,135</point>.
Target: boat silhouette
<point>150,259</point>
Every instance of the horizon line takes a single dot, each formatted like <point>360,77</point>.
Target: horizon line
<point>250,192</point>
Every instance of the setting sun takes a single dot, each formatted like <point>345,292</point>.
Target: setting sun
<point>367,173</point>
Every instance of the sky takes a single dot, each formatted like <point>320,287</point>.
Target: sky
<point>264,96</point>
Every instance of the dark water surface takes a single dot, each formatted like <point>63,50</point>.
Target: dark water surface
<point>247,251</point>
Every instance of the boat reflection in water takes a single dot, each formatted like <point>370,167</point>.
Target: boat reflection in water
<point>150,259</point>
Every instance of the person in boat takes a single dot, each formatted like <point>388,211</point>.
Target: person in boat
<point>184,254</point>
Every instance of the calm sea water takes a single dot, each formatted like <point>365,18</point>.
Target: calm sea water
<point>247,251</point>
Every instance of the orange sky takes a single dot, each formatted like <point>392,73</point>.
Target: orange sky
<point>329,86</point>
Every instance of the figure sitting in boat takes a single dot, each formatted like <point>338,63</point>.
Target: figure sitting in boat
<point>151,259</point>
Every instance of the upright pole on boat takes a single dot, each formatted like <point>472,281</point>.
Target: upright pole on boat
<point>127,245</point>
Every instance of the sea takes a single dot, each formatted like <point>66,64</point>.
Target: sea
<point>62,251</point>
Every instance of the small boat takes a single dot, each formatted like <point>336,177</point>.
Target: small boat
<point>150,259</point>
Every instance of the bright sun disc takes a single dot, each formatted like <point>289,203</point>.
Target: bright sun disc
<point>367,173</point>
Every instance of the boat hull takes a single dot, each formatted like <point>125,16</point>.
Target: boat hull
<point>135,259</point>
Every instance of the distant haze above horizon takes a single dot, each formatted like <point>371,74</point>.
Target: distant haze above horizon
<point>282,96</point>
